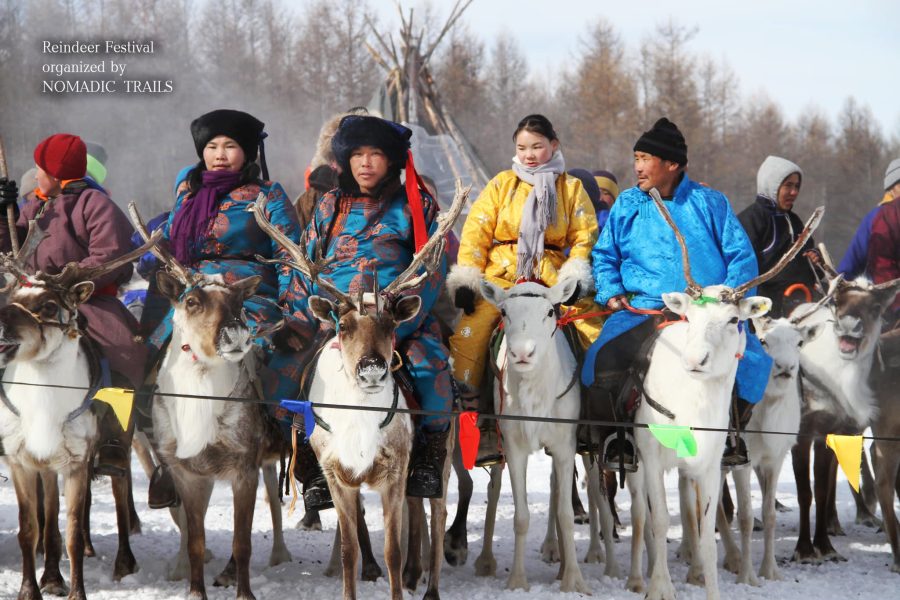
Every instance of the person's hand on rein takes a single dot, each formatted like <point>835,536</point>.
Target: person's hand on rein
<point>617,302</point>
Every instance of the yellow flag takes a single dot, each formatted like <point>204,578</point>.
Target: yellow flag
<point>848,449</point>
<point>121,401</point>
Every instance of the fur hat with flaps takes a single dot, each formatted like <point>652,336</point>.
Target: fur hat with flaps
<point>356,131</point>
<point>243,128</point>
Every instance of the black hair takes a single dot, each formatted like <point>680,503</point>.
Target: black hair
<point>249,174</point>
<point>538,124</point>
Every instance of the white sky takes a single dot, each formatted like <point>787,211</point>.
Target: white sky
<point>800,53</point>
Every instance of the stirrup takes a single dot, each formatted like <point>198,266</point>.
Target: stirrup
<point>111,458</point>
<point>622,462</point>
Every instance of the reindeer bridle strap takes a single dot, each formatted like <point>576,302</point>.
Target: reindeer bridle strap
<point>70,327</point>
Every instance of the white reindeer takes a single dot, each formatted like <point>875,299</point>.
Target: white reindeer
<point>779,411</point>
<point>538,378</point>
<point>691,375</point>
<point>354,369</point>
<point>51,431</point>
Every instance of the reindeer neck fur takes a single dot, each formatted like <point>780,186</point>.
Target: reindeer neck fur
<point>195,421</point>
<point>356,436</point>
<point>41,427</point>
<point>694,401</point>
<point>846,381</point>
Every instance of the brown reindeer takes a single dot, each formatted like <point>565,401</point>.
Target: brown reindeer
<point>354,369</point>
<point>203,439</point>
<point>887,425</point>
<point>49,430</point>
<point>837,398</point>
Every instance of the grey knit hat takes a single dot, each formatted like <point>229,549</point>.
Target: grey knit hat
<point>892,175</point>
<point>772,173</point>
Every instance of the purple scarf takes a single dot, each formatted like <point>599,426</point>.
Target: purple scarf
<point>192,220</point>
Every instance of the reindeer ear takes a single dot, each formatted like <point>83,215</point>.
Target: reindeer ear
<point>492,293</point>
<point>247,286</point>
<point>886,292</point>
<point>169,286</point>
<point>754,306</point>
<point>80,292</point>
<point>406,308</point>
<point>761,323</point>
<point>323,309</point>
<point>677,302</point>
<point>563,290</point>
<point>810,332</point>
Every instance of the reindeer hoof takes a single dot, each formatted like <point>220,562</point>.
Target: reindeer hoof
<point>52,587</point>
<point>694,576</point>
<point>612,569</point>
<point>550,552</point>
<point>432,594</point>
<point>833,556</point>
<point>517,581</point>
<point>411,578</point>
<point>310,521</point>
<point>594,555</point>
<point>574,583</point>
<point>771,573</point>
<point>895,568</point>
<point>757,524</point>
<point>806,557</point>
<point>732,563</point>
<point>635,584</point>
<point>135,528</point>
<point>582,518</point>
<point>125,565</point>
<point>89,551</point>
<point>456,554</point>
<point>279,556</point>
<point>747,579</point>
<point>372,572</point>
<point>177,571</point>
<point>869,521</point>
<point>486,567</point>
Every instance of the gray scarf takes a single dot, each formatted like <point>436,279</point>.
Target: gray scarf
<point>539,212</point>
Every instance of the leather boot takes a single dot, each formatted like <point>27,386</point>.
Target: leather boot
<point>316,495</point>
<point>425,475</point>
<point>162,492</point>
<point>490,448</point>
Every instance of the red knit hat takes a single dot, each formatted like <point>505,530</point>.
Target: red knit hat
<point>62,155</point>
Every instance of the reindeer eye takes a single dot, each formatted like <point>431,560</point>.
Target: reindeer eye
<point>503,312</point>
<point>733,321</point>
<point>192,302</point>
<point>49,309</point>
<point>763,343</point>
<point>550,313</point>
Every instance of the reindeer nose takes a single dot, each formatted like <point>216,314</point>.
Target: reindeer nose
<point>371,369</point>
<point>693,364</point>
<point>523,351</point>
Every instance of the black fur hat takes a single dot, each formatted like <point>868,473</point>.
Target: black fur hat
<point>243,128</point>
<point>355,131</point>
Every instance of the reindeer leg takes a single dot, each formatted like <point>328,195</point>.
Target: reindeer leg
<point>887,466</point>
<point>333,568</point>
<point>768,480</point>
<point>370,569</point>
<point>280,553</point>
<point>134,520</point>
<point>25,482</point>
<point>550,545</point>
<point>244,488</point>
<point>745,514</point>
<point>125,563</point>
<point>635,582</point>
<point>607,526</point>
<point>825,467</point>
<point>581,516</point>
<point>866,500</point>
<point>392,496</point>
<point>800,455</point>
<point>77,484</point>
<point>456,544</point>
<point>486,564</point>
<point>660,587</point>
<point>592,478</point>
<point>564,465</point>
<point>708,489</point>
<point>194,493</point>
<point>52,581</point>
<point>732,560</point>
<point>438,523</point>
<point>41,516</point>
<point>517,461</point>
<point>690,529</point>
<point>345,502</point>
<point>86,518</point>
<point>412,570</point>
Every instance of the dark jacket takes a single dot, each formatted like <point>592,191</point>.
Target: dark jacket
<point>884,246</point>
<point>771,233</point>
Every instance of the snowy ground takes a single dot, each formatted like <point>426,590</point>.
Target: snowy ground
<point>866,575</point>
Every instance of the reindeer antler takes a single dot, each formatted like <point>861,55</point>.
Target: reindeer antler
<point>693,289</point>
<point>833,285</point>
<point>301,262</point>
<point>429,255</point>
<point>73,273</point>
<point>811,224</point>
<point>176,268</point>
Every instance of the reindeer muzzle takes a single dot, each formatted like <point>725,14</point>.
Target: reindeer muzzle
<point>233,340</point>
<point>371,372</point>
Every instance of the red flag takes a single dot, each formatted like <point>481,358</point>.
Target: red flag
<point>469,436</point>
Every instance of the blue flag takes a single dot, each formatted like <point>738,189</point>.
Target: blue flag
<point>303,407</point>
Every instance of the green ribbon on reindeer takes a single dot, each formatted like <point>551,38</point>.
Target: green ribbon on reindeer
<point>679,438</point>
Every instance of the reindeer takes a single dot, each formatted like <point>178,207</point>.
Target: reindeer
<point>529,313</point>
<point>200,437</point>
<point>372,447</point>
<point>779,411</point>
<point>887,452</point>
<point>689,381</point>
<point>835,369</point>
<point>47,430</point>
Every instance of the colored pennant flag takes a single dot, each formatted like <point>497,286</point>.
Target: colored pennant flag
<point>121,401</point>
<point>848,449</point>
<point>469,437</point>
<point>302,407</point>
<point>679,438</point>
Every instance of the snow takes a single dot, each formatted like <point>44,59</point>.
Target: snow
<point>865,575</point>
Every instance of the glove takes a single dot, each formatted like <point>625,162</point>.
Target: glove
<point>287,340</point>
<point>9,192</point>
<point>576,295</point>
<point>465,299</point>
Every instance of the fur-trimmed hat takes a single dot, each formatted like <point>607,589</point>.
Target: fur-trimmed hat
<point>62,155</point>
<point>665,141</point>
<point>355,131</point>
<point>242,127</point>
<point>324,155</point>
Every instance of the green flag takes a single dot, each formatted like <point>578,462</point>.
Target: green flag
<point>677,437</point>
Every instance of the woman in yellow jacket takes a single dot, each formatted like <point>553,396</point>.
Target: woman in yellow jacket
<point>531,222</point>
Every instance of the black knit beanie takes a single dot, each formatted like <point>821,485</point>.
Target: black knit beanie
<point>665,141</point>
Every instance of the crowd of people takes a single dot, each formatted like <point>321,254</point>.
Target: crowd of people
<point>369,211</point>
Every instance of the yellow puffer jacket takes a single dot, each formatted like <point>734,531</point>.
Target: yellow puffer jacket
<point>489,236</point>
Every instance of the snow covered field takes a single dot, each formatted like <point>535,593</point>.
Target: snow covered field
<point>865,575</point>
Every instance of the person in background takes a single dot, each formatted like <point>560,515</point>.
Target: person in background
<point>772,227</point>
<point>883,255</point>
<point>855,260</point>
<point>609,191</point>
<point>96,162</point>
